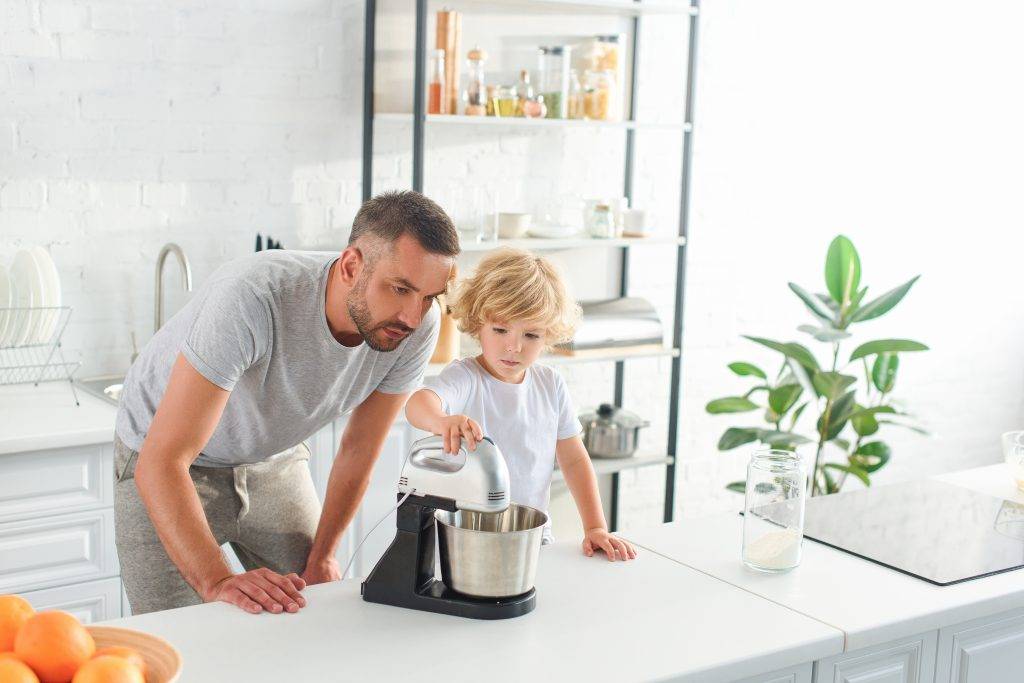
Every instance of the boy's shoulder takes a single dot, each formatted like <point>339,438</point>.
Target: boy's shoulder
<point>548,376</point>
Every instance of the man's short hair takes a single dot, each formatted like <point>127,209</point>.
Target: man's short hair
<point>390,215</point>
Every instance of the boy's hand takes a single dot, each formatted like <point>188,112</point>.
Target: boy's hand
<point>455,428</point>
<point>613,547</point>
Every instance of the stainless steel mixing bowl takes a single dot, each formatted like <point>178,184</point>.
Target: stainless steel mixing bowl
<point>490,554</point>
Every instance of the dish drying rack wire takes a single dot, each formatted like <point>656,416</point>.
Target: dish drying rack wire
<point>36,359</point>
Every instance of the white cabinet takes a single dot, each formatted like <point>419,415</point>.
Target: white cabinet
<point>55,481</point>
<point>909,660</point>
<point>88,602</point>
<point>989,650</point>
<point>796,674</point>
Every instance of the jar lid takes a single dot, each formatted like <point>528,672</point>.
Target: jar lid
<point>477,55</point>
<point>607,414</point>
<point>610,38</point>
<point>554,49</point>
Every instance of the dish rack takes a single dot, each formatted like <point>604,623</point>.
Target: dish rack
<point>36,360</point>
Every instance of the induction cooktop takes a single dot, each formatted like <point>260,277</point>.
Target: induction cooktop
<point>938,532</point>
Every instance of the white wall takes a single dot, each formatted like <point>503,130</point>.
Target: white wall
<point>123,126</point>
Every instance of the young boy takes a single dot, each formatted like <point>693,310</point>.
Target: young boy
<point>516,305</point>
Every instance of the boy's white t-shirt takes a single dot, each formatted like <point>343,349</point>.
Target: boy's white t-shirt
<point>524,420</point>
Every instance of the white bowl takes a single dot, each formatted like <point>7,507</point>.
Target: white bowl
<point>513,225</point>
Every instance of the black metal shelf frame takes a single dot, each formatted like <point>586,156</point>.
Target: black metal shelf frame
<point>419,125</point>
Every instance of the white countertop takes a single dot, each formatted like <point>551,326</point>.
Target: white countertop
<point>869,603</point>
<point>41,417</point>
<point>650,619</point>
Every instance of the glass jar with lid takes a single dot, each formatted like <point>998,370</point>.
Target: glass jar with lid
<point>506,101</point>
<point>600,93</point>
<point>773,514</point>
<point>554,65</point>
<point>476,88</point>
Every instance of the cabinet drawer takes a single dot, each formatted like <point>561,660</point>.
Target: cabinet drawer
<point>989,650</point>
<point>908,660</point>
<point>52,551</point>
<point>796,674</point>
<point>56,481</point>
<point>89,602</point>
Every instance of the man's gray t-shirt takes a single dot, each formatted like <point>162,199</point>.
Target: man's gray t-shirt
<point>258,329</point>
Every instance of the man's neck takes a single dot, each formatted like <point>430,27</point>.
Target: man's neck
<point>339,322</point>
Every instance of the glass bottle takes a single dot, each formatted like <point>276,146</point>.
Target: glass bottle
<point>476,89</point>
<point>506,101</point>
<point>435,90</point>
<point>554,80</point>
<point>575,108</point>
<point>602,223</point>
<point>773,517</point>
<point>528,105</point>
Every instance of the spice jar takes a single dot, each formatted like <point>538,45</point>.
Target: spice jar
<point>773,517</point>
<point>554,80</point>
<point>602,223</point>
<point>476,90</point>
<point>436,101</point>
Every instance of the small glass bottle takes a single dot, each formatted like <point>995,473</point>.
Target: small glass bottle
<point>476,89</point>
<point>773,517</point>
<point>575,109</point>
<point>528,105</point>
<point>602,223</point>
<point>435,90</point>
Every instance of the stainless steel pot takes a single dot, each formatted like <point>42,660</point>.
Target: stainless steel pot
<point>490,554</point>
<point>611,432</point>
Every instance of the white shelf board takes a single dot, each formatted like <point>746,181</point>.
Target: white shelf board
<point>611,466</point>
<point>620,7</point>
<point>543,244</point>
<point>590,356</point>
<point>519,122</point>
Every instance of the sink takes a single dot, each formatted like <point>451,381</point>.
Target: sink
<point>106,387</point>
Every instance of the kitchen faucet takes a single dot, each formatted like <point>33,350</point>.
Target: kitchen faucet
<point>186,276</point>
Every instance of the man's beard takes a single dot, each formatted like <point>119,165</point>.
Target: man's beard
<point>372,334</point>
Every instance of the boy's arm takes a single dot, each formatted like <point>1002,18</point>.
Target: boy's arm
<point>423,411</point>
<point>582,481</point>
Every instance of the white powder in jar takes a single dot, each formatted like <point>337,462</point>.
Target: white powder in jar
<point>775,550</point>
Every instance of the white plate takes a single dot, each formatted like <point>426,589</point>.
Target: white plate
<point>6,295</point>
<point>29,287</point>
<point>553,231</point>
<point>51,294</point>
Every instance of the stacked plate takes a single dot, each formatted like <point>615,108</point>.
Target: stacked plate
<point>29,299</point>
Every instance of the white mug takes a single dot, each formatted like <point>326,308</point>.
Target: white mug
<point>634,221</point>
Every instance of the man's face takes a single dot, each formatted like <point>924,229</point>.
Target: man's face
<point>393,293</point>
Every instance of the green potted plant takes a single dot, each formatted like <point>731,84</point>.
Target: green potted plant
<point>852,401</point>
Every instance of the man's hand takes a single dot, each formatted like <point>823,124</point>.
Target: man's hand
<point>259,590</point>
<point>321,571</point>
<point>455,428</point>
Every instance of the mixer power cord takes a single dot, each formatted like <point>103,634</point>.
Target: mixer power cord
<point>355,552</point>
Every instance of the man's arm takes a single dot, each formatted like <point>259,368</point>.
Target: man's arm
<point>368,427</point>
<point>186,418</point>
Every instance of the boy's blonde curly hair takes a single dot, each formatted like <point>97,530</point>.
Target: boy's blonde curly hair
<point>512,285</point>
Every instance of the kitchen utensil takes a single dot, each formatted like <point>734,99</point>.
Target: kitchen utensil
<point>163,662</point>
<point>615,323</point>
<point>433,481</point>
<point>51,294</point>
<point>29,287</point>
<point>773,518</point>
<point>611,432</point>
<point>490,554</point>
<point>513,225</point>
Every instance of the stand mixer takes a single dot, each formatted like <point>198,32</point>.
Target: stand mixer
<point>430,481</point>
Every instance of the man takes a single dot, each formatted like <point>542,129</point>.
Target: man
<point>271,349</point>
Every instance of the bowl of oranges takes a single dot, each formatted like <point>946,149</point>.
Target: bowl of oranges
<point>53,647</point>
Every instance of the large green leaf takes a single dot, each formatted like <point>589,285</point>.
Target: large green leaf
<point>745,369</point>
<point>814,304</point>
<point>825,334</point>
<point>832,384</point>
<point>737,486</point>
<point>871,456</point>
<point>864,423</point>
<point>737,436</point>
<point>731,404</point>
<point>850,469</point>
<point>854,304</point>
<point>796,414</point>
<point>883,372</point>
<point>797,352</point>
<point>840,412</point>
<point>886,346</point>
<point>883,304</point>
<point>782,398</point>
<point>842,270</point>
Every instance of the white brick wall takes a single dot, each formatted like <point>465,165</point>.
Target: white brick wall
<point>124,126</point>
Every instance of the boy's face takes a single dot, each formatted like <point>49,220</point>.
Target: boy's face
<point>511,347</point>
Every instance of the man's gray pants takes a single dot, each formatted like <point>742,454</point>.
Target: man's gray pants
<point>267,511</point>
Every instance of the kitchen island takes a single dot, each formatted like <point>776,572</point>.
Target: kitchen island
<point>685,610</point>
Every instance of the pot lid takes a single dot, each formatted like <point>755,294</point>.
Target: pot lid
<point>609,415</point>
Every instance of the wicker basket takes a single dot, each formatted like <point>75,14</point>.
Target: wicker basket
<point>163,663</point>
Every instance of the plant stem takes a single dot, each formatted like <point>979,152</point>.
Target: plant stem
<point>821,442</point>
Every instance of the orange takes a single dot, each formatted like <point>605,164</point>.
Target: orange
<point>108,669</point>
<point>14,671</point>
<point>14,611</point>
<point>131,654</point>
<point>54,644</point>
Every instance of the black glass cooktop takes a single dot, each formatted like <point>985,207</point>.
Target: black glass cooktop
<point>938,532</point>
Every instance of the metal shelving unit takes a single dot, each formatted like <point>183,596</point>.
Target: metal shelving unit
<point>636,10</point>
